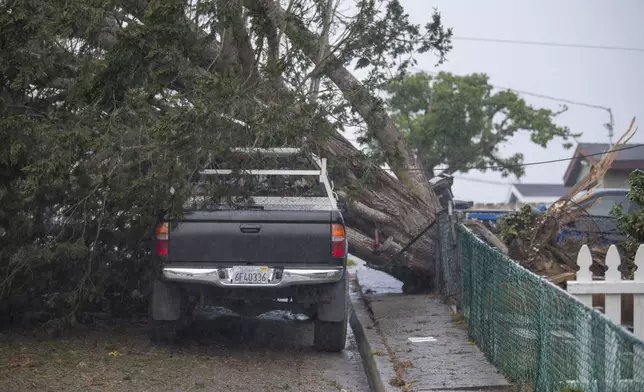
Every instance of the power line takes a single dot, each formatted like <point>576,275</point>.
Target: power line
<point>609,125</point>
<point>564,100</point>
<point>491,182</point>
<point>556,44</point>
<point>524,92</point>
<point>539,162</point>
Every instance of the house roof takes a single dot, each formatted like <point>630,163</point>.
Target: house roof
<point>631,154</point>
<point>631,158</point>
<point>534,192</point>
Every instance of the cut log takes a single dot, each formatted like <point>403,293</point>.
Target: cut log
<point>486,235</point>
<point>385,204</point>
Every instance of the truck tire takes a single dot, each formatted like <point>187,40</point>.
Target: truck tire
<point>331,336</point>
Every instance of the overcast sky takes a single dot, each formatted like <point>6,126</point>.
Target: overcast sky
<point>609,78</point>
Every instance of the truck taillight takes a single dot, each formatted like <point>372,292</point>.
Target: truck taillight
<point>161,234</point>
<point>338,241</point>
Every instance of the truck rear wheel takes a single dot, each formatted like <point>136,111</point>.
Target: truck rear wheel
<point>330,336</point>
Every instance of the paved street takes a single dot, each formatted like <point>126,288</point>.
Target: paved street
<point>274,354</point>
<point>218,353</point>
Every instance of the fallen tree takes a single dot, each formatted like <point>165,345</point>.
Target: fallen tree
<point>107,106</point>
<point>532,239</point>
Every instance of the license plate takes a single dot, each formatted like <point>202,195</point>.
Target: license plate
<point>251,275</point>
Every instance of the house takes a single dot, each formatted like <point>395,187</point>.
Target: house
<point>535,193</point>
<point>617,176</point>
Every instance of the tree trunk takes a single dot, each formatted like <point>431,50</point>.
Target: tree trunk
<point>377,201</point>
<point>399,155</point>
<point>399,211</point>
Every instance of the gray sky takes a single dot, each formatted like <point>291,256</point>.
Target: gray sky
<point>610,78</point>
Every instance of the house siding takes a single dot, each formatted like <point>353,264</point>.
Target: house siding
<point>615,178</point>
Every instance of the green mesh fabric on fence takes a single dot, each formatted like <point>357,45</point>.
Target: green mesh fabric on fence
<point>538,335</point>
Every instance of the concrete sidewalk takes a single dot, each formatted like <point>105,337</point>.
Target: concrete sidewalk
<point>444,359</point>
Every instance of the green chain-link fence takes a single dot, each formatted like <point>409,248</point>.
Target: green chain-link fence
<point>538,335</point>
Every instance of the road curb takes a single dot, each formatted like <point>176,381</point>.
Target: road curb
<point>371,347</point>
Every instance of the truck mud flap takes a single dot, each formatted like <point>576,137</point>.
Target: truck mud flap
<point>166,302</point>
<point>334,307</point>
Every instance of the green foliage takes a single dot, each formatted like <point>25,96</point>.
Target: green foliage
<point>518,224</point>
<point>106,105</point>
<point>632,224</point>
<point>459,122</point>
<point>96,129</point>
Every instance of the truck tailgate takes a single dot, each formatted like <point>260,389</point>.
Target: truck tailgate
<point>253,237</point>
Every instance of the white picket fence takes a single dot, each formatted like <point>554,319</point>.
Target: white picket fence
<point>613,286</point>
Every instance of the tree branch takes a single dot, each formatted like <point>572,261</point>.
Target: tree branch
<point>399,156</point>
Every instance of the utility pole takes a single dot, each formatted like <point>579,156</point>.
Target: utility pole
<point>610,126</point>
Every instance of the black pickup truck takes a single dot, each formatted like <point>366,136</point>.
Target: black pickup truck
<point>281,253</point>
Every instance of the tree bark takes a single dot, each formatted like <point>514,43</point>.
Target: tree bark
<point>383,204</point>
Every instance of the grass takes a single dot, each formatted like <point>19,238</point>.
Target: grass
<point>458,318</point>
<point>350,262</point>
<point>398,380</point>
<point>336,385</point>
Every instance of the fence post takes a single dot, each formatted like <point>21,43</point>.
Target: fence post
<point>613,277</point>
<point>474,311</point>
<point>438,268</point>
<point>584,261</point>
<point>583,328</point>
<point>638,299</point>
<point>598,342</point>
<point>543,381</point>
<point>638,320</point>
<point>457,258</point>
<point>612,310</point>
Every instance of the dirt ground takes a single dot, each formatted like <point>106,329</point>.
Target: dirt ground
<point>221,354</point>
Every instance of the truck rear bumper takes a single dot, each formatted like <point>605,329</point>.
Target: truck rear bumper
<point>289,276</point>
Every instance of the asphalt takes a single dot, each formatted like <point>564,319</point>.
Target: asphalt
<point>274,353</point>
<point>218,352</point>
<point>414,341</point>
